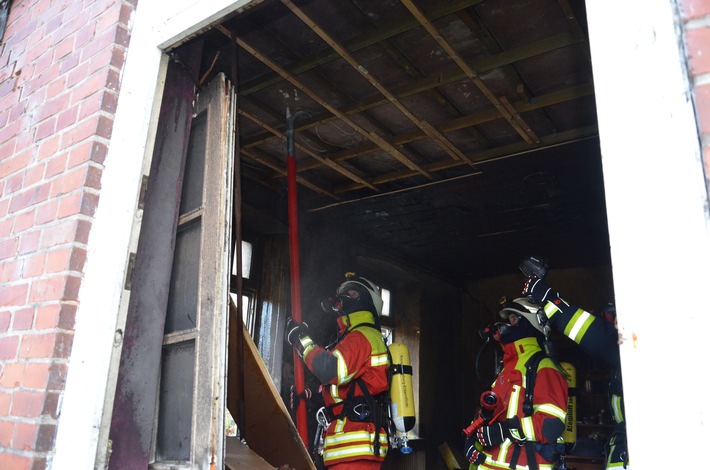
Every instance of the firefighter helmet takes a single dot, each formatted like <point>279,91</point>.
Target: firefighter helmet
<point>524,309</point>
<point>358,293</point>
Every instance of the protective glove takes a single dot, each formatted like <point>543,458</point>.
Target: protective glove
<point>496,433</point>
<point>536,290</point>
<point>297,335</point>
<point>472,453</point>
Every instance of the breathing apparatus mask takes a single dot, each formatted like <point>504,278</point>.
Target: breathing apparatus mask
<point>524,320</point>
<point>353,295</point>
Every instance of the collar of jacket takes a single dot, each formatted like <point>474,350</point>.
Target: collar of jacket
<point>520,349</point>
<point>351,320</point>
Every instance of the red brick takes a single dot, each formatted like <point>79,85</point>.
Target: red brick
<point>53,106</point>
<point>8,248</point>
<point>45,441</point>
<point>77,74</point>
<point>80,153</point>
<point>13,184</point>
<point>29,242</point>
<point>57,377</point>
<point>12,374</point>
<point>71,292</point>
<point>29,197</point>
<point>48,147</point>
<point>58,260</point>
<point>37,346</point>
<point>47,212</point>
<point>11,270</point>
<point>27,404</point>
<point>14,461</point>
<point>5,227</point>
<point>698,46</point>
<point>46,128</point>
<point>69,181</point>
<point>36,375</point>
<point>5,399</point>
<point>23,221</point>
<point>48,317</point>
<point>70,204</point>
<point>91,105</point>
<point>67,118</point>
<point>702,101</point>
<point>7,428</point>
<point>13,295</point>
<point>693,9</point>
<point>34,265</point>
<point>59,234</point>
<point>33,175</point>
<point>48,289</point>
<point>63,345</point>
<point>56,165</point>
<point>9,347</point>
<point>25,436</point>
<point>23,319</point>
<point>64,48</point>
<point>68,64</point>
<point>51,404</point>
<point>11,165</point>
<point>5,321</point>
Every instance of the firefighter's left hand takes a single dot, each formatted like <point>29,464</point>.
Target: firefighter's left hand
<point>496,433</point>
<point>473,455</point>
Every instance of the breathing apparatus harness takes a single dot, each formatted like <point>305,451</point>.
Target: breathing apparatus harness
<point>366,408</point>
<point>550,452</point>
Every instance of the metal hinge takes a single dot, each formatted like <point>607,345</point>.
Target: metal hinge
<point>129,271</point>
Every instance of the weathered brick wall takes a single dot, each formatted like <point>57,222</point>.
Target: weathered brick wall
<point>60,68</point>
<point>697,40</point>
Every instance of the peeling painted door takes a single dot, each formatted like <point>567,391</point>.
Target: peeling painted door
<point>170,396</point>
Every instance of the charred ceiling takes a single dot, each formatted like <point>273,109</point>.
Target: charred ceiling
<point>455,135</point>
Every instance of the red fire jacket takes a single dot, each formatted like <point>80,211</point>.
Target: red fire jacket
<point>361,353</point>
<point>549,405</point>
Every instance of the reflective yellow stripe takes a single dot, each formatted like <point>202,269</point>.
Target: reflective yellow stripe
<point>551,410</point>
<point>343,376</point>
<point>334,393</point>
<point>513,402</point>
<point>335,446</point>
<point>616,408</point>
<point>379,360</point>
<point>526,424</point>
<point>578,325</point>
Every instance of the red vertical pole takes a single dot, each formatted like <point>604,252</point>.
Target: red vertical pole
<point>298,372</point>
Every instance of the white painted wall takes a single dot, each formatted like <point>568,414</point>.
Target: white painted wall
<point>157,24</point>
<point>658,225</point>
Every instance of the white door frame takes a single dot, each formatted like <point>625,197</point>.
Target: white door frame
<point>656,203</point>
<point>657,207</point>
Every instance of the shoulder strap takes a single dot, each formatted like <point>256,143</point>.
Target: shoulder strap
<point>530,375</point>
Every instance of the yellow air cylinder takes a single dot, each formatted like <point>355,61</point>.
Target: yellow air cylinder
<point>401,392</point>
<point>570,433</point>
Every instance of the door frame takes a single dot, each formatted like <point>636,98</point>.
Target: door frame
<point>656,96</point>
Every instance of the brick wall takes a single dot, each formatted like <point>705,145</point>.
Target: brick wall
<point>697,40</point>
<point>60,68</point>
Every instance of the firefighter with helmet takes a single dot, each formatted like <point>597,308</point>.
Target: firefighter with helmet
<point>353,372</point>
<point>597,335</point>
<point>526,425</point>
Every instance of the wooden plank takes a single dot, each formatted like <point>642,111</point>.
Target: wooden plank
<point>267,426</point>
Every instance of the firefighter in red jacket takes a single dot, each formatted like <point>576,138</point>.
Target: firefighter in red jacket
<point>525,429</point>
<point>354,376</point>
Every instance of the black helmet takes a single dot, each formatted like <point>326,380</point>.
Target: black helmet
<point>355,294</point>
